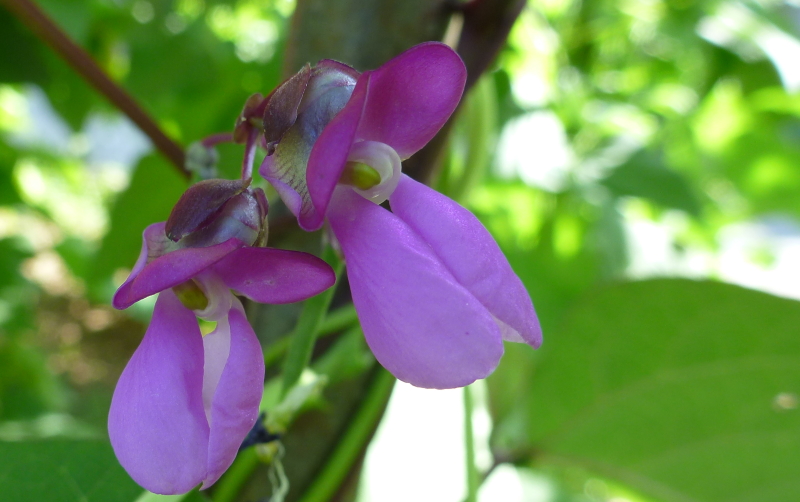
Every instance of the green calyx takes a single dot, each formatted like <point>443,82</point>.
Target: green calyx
<point>360,176</point>
<point>190,295</point>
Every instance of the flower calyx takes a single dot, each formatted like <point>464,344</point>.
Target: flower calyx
<point>280,110</point>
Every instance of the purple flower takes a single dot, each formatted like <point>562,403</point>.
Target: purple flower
<point>185,401</point>
<point>434,293</point>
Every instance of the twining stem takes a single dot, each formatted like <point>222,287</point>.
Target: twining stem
<point>354,441</point>
<point>44,28</point>
<point>235,477</point>
<point>469,441</point>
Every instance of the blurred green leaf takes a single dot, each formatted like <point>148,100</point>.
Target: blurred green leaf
<point>684,390</point>
<point>77,255</point>
<point>8,157</point>
<point>63,471</point>
<point>645,175</point>
<point>27,388</point>
<point>22,60</point>
<point>13,254</point>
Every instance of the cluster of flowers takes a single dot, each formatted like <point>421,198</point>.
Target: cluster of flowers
<point>434,294</point>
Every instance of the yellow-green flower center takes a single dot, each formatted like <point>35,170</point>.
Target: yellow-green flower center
<point>360,176</point>
<point>190,295</point>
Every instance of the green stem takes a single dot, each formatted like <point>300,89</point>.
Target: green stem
<point>236,476</point>
<point>469,440</point>
<point>336,321</point>
<point>347,451</point>
<point>305,333</point>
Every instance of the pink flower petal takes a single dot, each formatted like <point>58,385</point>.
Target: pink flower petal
<point>269,275</point>
<point>234,408</point>
<point>471,254</point>
<point>156,422</point>
<point>411,97</point>
<point>170,270</point>
<point>421,324</point>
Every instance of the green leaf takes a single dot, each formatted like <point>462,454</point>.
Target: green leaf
<point>63,471</point>
<point>683,390</point>
<point>645,175</point>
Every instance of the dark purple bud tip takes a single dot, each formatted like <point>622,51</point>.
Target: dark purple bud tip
<point>253,110</point>
<point>198,203</point>
<point>281,110</point>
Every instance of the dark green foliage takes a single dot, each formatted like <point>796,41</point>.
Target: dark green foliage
<point>63,471</point>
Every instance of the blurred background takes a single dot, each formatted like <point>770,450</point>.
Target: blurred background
<point>637,160</point>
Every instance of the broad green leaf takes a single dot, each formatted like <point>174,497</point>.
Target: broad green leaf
<point>686,391</point>
<point>63,471</point>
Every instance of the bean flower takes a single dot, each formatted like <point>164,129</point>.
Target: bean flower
<point>434,293</point>
<point>185,401</point>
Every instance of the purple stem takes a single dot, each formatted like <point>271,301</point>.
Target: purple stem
<point>250,153</point>
<point>216,139</point>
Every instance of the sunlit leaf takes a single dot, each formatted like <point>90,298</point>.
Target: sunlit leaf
<point>684,390</point>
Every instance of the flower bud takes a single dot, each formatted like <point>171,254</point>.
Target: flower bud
<point>213,211</point>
